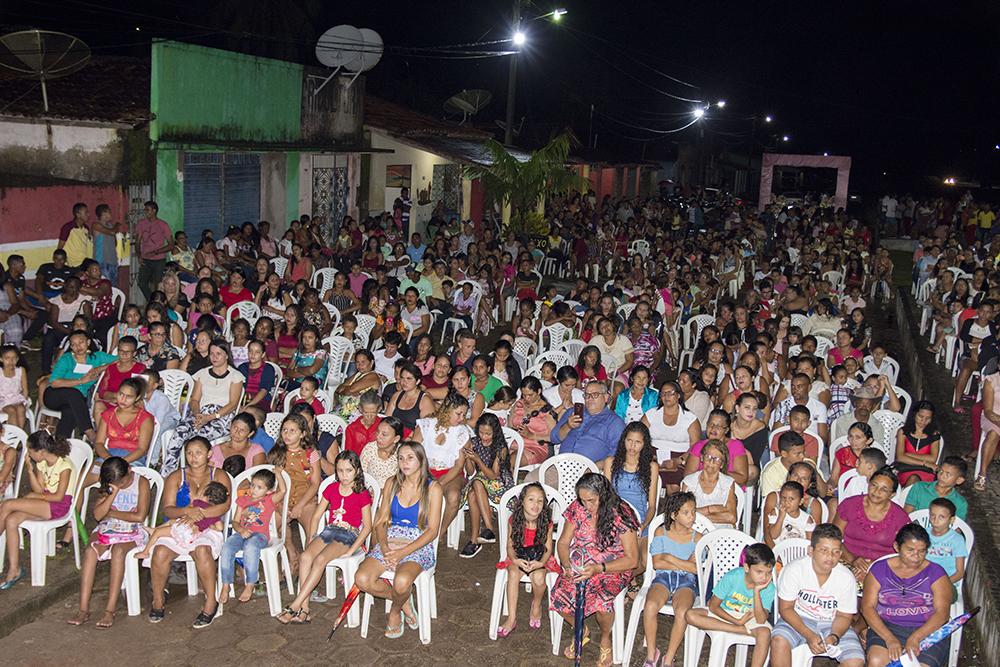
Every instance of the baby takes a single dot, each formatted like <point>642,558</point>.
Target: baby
<point>183,530</point>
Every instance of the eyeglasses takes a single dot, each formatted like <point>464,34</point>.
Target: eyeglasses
<point>593,394</point>
<point>712,458</point>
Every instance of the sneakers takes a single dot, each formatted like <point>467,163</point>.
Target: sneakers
<point>470,550</point>
<point>156,615</point>
<point>487,537</point>
<point>204,620</point>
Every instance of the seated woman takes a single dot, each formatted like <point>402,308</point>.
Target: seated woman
<point>378,458</point>
<point>906,598</point>
<point>211,406</point>
<point>598,545</point>
<point>870,522</point>
<point>410,402</point>
<point>126,367</point>
<point>444,438</point>
<point>309,360</point>
<point>72,378</point>
<point>122,504</point>
<point>740,466</point>
<point>179,488</point>
<point>918,445</point>
<point>533,418</point>
<point>241,429</point>
<point>348,394</point>
<point>362,430</point>
<point>407,522</point>
<point>260,377</point>
<point>197,357</point>
<point>632,471</point>
<point>638,398</point>
<point>483,380</point>
<point>714,491</point>
<point>159,354</point>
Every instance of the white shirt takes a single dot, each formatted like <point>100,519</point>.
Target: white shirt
<point>853,483</point>
<point>717,496</point>
<point>386,366</point>
<point>552,396</point>
<point>817,603</point>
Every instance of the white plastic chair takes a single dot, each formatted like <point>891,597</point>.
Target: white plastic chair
<point>322,280</point>
<point>717,553</point>
<point>558,357</point>
<point>275,549</point>
<point>279,264</point>
<point>425,586</point>
<point>176,385</point>
<point>272,424</point>
<point>324,397</point>
<point>248,310</point>
<point>573,347</point>
<point>904,398</point>
<point>42,533</point>
<point>891,422</point>
<point>457,322</point>
<point>702,526</point>
<point>366,324</point>
<point>922,517</point>
<point>869,368</point>
<point>334,312</point>
<point>556,334</point>
<point>697,323</point>
<point>791,549</point>
<point>341,353</point>
<point>18,439</point>
<point>526,347</point>
<point>569,469</point>
<point>348,564</point>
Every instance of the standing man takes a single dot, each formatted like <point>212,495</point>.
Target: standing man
<point>401,211</point>
<point>106,243</point>
<point>75,237</point>
<point>155,241</point>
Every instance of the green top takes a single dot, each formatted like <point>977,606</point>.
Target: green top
<point>66,368</point>
<point>492,385</point>
<point>921,494</point>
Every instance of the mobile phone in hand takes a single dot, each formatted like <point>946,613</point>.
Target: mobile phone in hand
<point>578,409</point>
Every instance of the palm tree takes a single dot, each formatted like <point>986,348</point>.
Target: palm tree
<point>523,183</point>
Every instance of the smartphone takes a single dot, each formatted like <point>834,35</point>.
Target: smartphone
<point>578,409</point>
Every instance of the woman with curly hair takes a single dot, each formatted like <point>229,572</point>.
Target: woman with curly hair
<point>598,545</point>
<point>487,463</point>
<point>445,438</point>
<point>632,471</point>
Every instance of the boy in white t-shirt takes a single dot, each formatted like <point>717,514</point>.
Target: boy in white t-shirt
<point>817,598</point>
<point>855,482</point>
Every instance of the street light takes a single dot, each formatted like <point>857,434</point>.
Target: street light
<point>767,119</point>
<point>698,113</point>
<point>786,138</point>
<point>519,38</point>
<point>557,14</point>
<point>721,104</point>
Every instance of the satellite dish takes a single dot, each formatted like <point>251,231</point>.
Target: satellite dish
<point>514,131</point>
<point>373,48</point>
<point>42,55</point>
<point>344,47</point>
<point>341,47</point>
<point>468,102</point>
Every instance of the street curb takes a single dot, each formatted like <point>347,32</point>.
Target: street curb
<point>13,617</point>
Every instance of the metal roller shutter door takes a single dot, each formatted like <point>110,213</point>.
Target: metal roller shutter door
<point>241,189</point>
<point>202,195</point>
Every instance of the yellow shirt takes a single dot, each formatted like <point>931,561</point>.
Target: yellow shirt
<point>79,246</point>
<point>985,219</point>
<point>774,475</point>
<point>51,474</point>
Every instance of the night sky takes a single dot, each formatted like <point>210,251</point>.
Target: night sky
<point>905,88</point>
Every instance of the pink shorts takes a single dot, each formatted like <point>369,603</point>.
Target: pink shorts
<point>59,508</point>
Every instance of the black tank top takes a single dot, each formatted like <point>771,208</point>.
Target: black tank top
<point>408,416</point>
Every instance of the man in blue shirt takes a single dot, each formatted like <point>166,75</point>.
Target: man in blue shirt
<point>416,249</point>
<point>595,434</point>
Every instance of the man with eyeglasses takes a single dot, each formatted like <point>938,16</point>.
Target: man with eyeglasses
<point>593,434</point>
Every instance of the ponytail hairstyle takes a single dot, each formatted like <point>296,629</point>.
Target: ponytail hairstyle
<point>112,470</point>
<point>44,441</point>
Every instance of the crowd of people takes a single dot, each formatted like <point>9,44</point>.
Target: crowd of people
<point>709,377</point>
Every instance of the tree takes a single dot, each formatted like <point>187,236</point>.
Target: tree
<point>523,184</point>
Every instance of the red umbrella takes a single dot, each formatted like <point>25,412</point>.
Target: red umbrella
<point>352,595</point>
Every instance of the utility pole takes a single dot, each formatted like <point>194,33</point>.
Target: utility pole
<point>508,135</point>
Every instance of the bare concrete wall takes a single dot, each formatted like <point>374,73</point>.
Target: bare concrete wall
<point>65,152</point>
<point>272,190</point>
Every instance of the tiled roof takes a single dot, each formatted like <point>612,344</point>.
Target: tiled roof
<point>109,89</point>
<point>405,123</point>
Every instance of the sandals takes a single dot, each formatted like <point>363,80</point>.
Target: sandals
<point>394,632</point>
<point>503,633</point>
<point>415,623</point>
<point>980,484</point>
<point>605,659</point>
<point>960,410</point>
<point>103,624</point>
<point>570,652</point>
<point>79,619</point>
<point>289,612</point>
<point>655,662</point>
<point>301,617</point>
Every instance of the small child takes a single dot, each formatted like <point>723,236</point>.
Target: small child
<point>789,519</point>
<point>840,393</point>
<point>529,553</point>
<point>791,449</point>
<point>741,601</point>
<point>672,548</point>
<point>13,385</point>
<point>235,465</point>
<point>157,404</point>
<point>549,375</point>
<point>349,326</point>
<point>859,436</point>
<point>948,546</point>
<point>950,474</point>
<point>307,394</point>
<point>251,532</point>
<point>870,460</point>
<point>183,530</point>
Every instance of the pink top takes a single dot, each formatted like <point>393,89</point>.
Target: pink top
<point>152,235</point>
<point>256,515</point>
<point>866,538</point>
<point>735,447</point>
<point>217,458</point>
<point>345,510</point>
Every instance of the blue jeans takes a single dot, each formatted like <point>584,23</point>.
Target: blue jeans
<point>251,547</point>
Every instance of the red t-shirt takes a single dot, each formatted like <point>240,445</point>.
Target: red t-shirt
<point>315,404</point>
<point>231,298</point>
<point>256,515</point>
<point>345,509</point>
<point>113,377</point>
<point>357,436</point>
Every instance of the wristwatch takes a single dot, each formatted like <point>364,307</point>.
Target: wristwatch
<point>836,636</point>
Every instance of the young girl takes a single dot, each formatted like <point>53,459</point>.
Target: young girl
<point>52,478</point>
<point>295,452</point>
<point>251,532</point>
<point>549,371</point>
<point>529,552</point>
<point>487,462</point>
<point>241,339</point>
<point>405,527</point>
<point>632,471</point>
<point>121,508</point>
<point>348,525</point>
<point>131,325</point>
<point>183,531</point>
<point>500,406</point>
<point>13,385</point>
<point>309,359</point>
<point>672,548</point>
<point>589,366</point>
<point>859,436</point>
<point>788,519</point>
<point>307,394</point>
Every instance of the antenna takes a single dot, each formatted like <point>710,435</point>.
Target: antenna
<point>346,48</point>
<point>468,103</point>
<point>515,131</point>
<point>42,55</point>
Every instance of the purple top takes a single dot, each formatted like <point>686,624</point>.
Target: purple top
<point>208,521</point>
<point>906,602</point>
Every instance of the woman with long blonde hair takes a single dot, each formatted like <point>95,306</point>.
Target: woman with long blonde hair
<point>406,524</point>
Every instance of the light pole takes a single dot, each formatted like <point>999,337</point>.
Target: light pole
<point>508,133</point>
